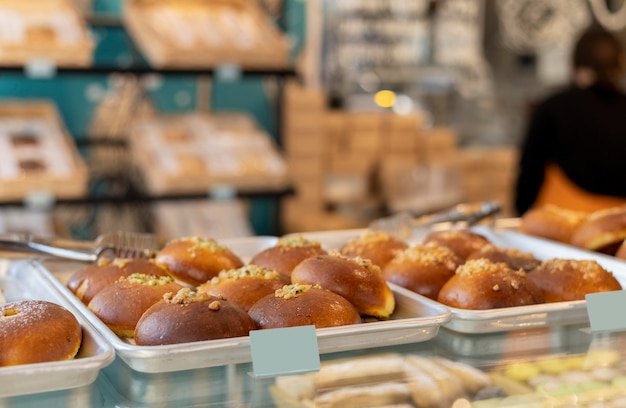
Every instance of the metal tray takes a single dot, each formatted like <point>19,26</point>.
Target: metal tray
<point>20,282</point>
<point>415,319</point>
<point>513,318</point>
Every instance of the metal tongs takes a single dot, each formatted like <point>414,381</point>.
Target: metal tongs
<point>118,244</point>
<point>404,225</point>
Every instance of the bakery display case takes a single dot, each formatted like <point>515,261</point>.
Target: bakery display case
<point>426,354</point>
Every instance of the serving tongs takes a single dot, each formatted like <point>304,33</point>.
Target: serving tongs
<point>118,244</point>
<point>404,225</point>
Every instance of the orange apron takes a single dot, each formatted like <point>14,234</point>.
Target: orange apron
<point>559,190</point>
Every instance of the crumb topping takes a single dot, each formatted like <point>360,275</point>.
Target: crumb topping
<point>186,296</point>
<point>426,254</point>
<point>297,241</point>
<point>245,271</point>
<point>482,265</point>
<point>370,239</point>
<point>362,262</point>
<point>294,290</point>
<point>205,244</point>
<point>147,280</point>
<point>589,269</point>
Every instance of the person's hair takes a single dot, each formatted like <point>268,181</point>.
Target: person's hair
<point>600,51</point>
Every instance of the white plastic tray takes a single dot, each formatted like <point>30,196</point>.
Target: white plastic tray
<point>415,319</point>
<point>512,318</point>
<point>21,282</point>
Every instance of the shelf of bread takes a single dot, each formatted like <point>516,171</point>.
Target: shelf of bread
<point>199,153</point>
<point>51,32</point>
<point>37,155</point>
<point>202,34</point>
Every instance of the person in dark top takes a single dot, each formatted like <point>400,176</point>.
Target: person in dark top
<point>574,151</point>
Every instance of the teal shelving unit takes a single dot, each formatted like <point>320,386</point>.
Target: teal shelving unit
<point>77,92</point>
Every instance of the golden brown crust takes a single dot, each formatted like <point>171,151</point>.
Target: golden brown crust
<point>602,231</point>
<point>303,305</point>
<point>568,279</point>
<point>356,279</point>
<point>461,242</point>
<point>121,304</point>
<point>551,222</point>
<point>424,269</point>
<point>513,257</point>
<point>189,316</point>
<point>378,247</point>
<point>243,286</point>
<point>36,331</point>
<point>286,254</point>
<point>481,284</point>
<point>88,281</point>
<point>195,260</point>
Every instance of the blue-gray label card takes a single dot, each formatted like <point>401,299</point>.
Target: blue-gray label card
<point>605,310</point>
<point>284,351</point>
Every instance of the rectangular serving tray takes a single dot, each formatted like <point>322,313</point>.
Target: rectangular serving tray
<point>19,281</point>
<point>512,318</point>
<point>414,320</point>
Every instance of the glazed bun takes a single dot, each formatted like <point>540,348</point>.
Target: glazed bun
<point>551,222</point>
<point>286,254</point>
<point>195,260</point>
<point>621,250</point>
<point>121,304</point>
<point>602,231</point>
<point>188,316</point>
<point>37,331</point>
<point>88,281</point>
<point>243,286</point>
<point>356,279</point>
<point>513,257</point>
<point>379,247</point>
<point>461,242</point>
<point>481,284</point>
<point>303,305</point>
<point>422,268</point>
<point>567,279</point>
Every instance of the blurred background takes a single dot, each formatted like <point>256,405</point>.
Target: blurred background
<point>233,118</point>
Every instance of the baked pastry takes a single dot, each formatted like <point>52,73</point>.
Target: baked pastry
<point>422,268</point>
<point>356,279</point>
<point>195,260</point>
<point>121,304</point>
<point>303,305</point>
<point>621,250</point>
<point>551,222</point>
<point>481,284</point>
<point>286,254</point>
<point>602,231</point>
<point>461,242</point>
<point>88,281</point>
<point>569,279</point>
<point>513,257</point>
<point>243,286</point>
<point>188,316</point>
<point>36,331</point>
<point>377,246</point>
